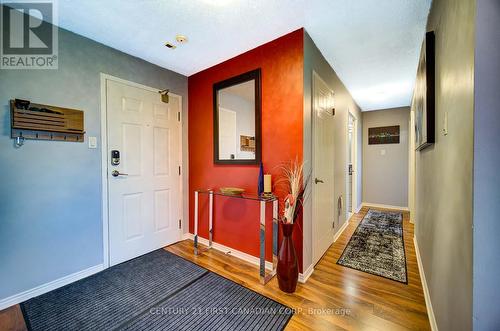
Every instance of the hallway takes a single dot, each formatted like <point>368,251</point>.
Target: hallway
<point>334,297</point>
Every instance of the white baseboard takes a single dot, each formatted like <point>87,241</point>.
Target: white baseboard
<point>303,277</point>
<point>428,304</point>
<point>245,257</point>
<point>47,287</point>
<point>378,205</point>
<point>339,232</point>
<point>359,208</point>
<point>230,251</point>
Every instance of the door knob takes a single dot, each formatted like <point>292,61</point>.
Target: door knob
<point>116,173</point>
<point>316,181</point>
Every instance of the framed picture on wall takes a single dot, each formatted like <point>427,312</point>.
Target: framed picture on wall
<point>383,135</point>
<point>423,96</point>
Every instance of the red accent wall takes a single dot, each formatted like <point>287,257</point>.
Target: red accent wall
<point>236,222</point>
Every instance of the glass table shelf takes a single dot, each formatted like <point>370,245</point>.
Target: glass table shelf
<point>247,196</point>
<point>262,200</point>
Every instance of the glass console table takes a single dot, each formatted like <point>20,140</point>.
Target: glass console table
<point>264,276</point>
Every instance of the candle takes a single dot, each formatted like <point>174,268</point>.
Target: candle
<point>267,184</point>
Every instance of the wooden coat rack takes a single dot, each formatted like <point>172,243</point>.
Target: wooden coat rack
<point>44,122</point>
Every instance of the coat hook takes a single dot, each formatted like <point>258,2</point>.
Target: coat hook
<point>19,141</point>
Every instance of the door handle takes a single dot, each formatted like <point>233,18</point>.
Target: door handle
<point>316,181</point>
<point>116,173</point>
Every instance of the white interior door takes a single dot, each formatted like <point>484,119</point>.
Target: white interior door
<point>144,201</point>
<point>227,134</point>
<point>323,169</point>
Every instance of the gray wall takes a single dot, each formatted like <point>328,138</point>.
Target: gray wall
<point>486,163</point>
<point>443,223</point>
<point>315,61</point>
<point>385,177</point>
<point>50,193</point>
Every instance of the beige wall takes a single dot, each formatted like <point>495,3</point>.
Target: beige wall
<point>385,175</point>
<point>314,61</point>
<point>444,171</point>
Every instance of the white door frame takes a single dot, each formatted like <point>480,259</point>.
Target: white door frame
<point>411,167</point>
<point>354,157</point>
<point>104,158</point>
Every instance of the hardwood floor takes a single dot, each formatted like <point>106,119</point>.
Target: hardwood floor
<point>11,319</point>
<point>334,297</point>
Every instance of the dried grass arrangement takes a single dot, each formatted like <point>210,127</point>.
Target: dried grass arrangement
<point>293,185</point>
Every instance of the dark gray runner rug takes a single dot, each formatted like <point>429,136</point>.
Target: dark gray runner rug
<point>377,246</point>
<point>157,291</point>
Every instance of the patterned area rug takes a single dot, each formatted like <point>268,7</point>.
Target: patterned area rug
<point>377,246</point>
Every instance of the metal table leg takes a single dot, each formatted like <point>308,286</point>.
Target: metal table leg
<point>210,218</point>
<point>197,251</point>
<point>262,270</point>
<point>196,222</point>
<point>265,277</point>
<point>275,235</point>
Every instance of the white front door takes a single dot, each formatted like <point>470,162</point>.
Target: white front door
<point>323,169</point>
<point>144,200</point>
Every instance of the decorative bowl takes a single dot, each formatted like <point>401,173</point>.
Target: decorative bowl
<point>232,190</point>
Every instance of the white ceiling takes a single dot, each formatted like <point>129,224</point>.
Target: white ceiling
<point>373,45</point>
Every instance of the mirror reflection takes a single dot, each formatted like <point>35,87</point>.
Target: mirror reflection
<point>237,122</point>
<point>237,118</point>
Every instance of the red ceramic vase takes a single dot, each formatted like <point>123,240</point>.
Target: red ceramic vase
<point>288,268</point>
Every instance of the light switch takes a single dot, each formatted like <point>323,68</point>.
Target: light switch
<point>92,142</point>
<point>445,123</point>
<point>382,152</point>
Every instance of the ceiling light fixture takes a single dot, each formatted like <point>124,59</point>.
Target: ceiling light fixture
<point>181,39</point>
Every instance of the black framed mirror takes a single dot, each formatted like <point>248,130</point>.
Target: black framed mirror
<point>237,119</point>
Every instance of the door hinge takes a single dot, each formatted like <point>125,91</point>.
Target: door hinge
<point>180,224</point>
<point>179,170</point>
<point>179,116</point>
